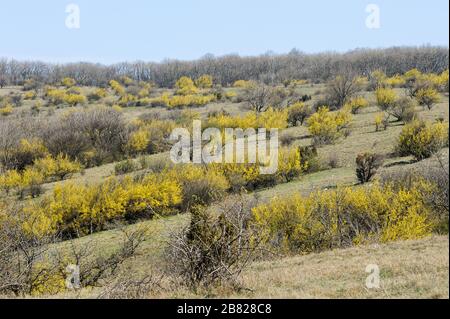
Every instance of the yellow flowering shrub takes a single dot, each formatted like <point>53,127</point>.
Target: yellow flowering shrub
<point>385,98</point>
<point>117,87</point>
<point>68,82</point>
<point>427,97</point>
<point>356,104</point>
<point>138,141</point>
<point>326,127</point>
<point>343,217</point>
<point>30,95</point>
<point>185,86</point>
<point>61,166</point>
<point>200,184</point>
<point>55,96</point>
<point>204,82</point>
<point>290,164</point>
<point>6,110</point>
<point>243,84</point>
<point>378,120</point>
<point>177,101</point>
<point>74,99</point>
<point>127,100</point>
<point>10,180</point>
<point>422,139</point>
<point>272,118</point>
<point>395,81</point>
<point>75,209</point>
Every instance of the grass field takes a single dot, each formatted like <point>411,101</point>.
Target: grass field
<point>410,269</point>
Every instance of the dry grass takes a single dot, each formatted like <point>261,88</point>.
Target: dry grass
<point>408,269</point>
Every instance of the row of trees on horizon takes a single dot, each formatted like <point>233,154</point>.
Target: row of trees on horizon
<point>268,68</point>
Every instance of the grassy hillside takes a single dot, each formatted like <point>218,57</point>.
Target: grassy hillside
<point>409,269</point>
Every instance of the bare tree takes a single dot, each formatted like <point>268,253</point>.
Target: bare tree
<point>342,87</point>
<point>214,248</point>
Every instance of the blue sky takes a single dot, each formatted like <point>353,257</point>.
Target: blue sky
<point>118,30</point>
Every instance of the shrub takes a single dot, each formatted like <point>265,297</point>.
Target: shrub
<point>77,210</point>
<point>6,110</point>
<point>343,217</point>
<point>272,118</point>
<point>68,82</point>
<point>74,99</point>
<point>204,82</point>
<point>98,94</point>
<point>185,86</point>
<point>10,180</point>
<point>125,167</point>
<point>377,79</point>
<point>327,127</point>
<point>243,84</point>
<point>30,95</point>
<point>395,81</point>
<point>366,166</point>
<point>31,182</point>
<point>297,113</point>
<point>385,98</point>
<point>286,138</point>
<point>342,88</point>
<point>403,110</point>
<point>92,136</point>
<point>356,104</point>
<point>117,87</point>
<point>309,159</point>
<point>379,118</point>
<point>27,152</point>
<point>260,97</point>
<point>61,166</point>
<point>138,141</point>
<point>422,139</point>
<point>427,97</point>
<point>215,248</point>
<point>55,96</point>
<point>435,188</point>
<point>200,185</point>
<point>290,164</point>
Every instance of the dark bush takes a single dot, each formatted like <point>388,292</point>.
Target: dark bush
<point>367,165</point>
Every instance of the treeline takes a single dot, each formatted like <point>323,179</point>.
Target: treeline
<point>226,70</point>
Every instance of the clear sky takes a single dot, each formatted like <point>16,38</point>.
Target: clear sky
<point>127,30</point>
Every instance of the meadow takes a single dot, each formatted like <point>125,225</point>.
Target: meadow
<point>86,179</point>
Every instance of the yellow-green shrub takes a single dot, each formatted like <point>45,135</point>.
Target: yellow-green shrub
<point>427,97</point>
<point>138,141</point>
<point>243,84</point>
<point>75,209</point>
<point>185,86</point>
<point>68,82</point>
<point>30,95</point>
<point>10,180</point>
<point>117,87</point>
<point>326,127</point>
<point>60,167</point>
<point>6,110</point>
<point>395,81</point>
<point>200,184</point>
<point>204,82</point>
<point>422,139</point>
<point>343,217</point>
<point>74,99</point>
<point>385,98</point>
<point>55,96</point>
<point>356,104</point>
<point>272,118</point>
